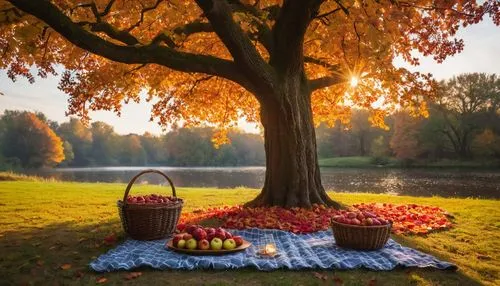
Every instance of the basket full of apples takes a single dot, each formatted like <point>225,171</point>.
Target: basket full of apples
<point>152,216</point>
<point>199,240</point>
<point>360,230</point>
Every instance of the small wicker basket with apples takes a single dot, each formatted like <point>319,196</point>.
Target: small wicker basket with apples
<point>360,230</point>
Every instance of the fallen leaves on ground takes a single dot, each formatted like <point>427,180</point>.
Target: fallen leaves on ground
<point>132,275</point>
<point>101,280</point>
<point>320,276</point>
<point>338,281</point>
<point>407,219</point>
<point>66,266</point>
<point>110,239</point>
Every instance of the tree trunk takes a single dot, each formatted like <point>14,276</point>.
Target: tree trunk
<point>292,170</point>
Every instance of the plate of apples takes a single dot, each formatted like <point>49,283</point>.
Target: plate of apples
<point>199,240</point>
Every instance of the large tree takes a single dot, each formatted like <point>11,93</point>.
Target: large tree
<point>214,61</point>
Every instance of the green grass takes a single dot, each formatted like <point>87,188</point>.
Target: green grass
<point>47,224</point>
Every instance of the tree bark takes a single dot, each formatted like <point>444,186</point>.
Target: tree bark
<point>292,170</point>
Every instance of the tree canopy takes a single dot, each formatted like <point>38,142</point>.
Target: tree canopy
<point>191,56</point>
<point>287,63</point>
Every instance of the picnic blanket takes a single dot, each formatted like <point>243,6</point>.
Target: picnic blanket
<point>307,251</point>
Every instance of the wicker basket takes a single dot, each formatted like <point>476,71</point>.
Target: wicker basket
<point>361,237</point>
<point>149,221</point>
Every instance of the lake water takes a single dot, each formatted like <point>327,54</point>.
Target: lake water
<point>414,182</point>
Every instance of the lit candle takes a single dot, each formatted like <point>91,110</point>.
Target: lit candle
<point>270,249</point>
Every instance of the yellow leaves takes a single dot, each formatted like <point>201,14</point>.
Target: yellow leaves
<point>220,137</point>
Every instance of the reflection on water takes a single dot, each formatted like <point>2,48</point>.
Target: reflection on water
<point>415,182</point>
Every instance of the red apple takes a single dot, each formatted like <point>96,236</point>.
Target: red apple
<point>355,221</point>
<point>181,227</point>
<point>369,221</point>
<point>220,234</point>
<point>382,221</point>
<point>176,238</point>
<point>238,239</point>
<point>203,244</point>
<point>228,235</point>
<point>351,215</point>
<point>337,218</point>
<point>369,214</point>
<point>187,236</point>
<point>210,230</point>
<point>191,228</point>
<point>360,216</point>
<point>199,234</point>
<point>210,236</point>
<point>376,222</point>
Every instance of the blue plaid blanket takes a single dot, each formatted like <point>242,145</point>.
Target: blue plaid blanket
<point>307,251</point>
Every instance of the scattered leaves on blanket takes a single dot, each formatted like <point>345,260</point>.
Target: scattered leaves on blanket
<point>66,266</point>
<point>101,280</point>
<point>338,281</point>
<point>132,275</point>
<point>110,239</point>
<point>320,276</point>
<point>407,219</point>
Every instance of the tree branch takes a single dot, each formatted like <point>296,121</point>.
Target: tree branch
<point>245,55</point>
<point>326,81</point>
<point>186,30</point>
<point>319,62</point>
<point>143,11</point>
<point>120,35</point>
<point>165,56</point>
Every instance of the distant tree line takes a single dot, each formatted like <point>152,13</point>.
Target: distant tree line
<point>29,140</point>
<point>463,123</point>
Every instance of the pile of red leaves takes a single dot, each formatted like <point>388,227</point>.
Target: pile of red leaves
<point>406,219</point>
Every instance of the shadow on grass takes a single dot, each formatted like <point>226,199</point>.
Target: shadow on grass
<point>60,253</point>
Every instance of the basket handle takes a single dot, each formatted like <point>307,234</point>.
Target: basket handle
<point>129,186</point>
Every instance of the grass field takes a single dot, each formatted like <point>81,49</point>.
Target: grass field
<point>48,226</point>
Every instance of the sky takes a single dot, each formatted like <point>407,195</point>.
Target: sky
<point>481,54</point>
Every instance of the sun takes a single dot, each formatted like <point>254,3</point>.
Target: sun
<point>354,81</point>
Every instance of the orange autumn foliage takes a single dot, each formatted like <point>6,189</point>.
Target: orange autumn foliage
<point>30,140</point>
<point>185,68</point>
